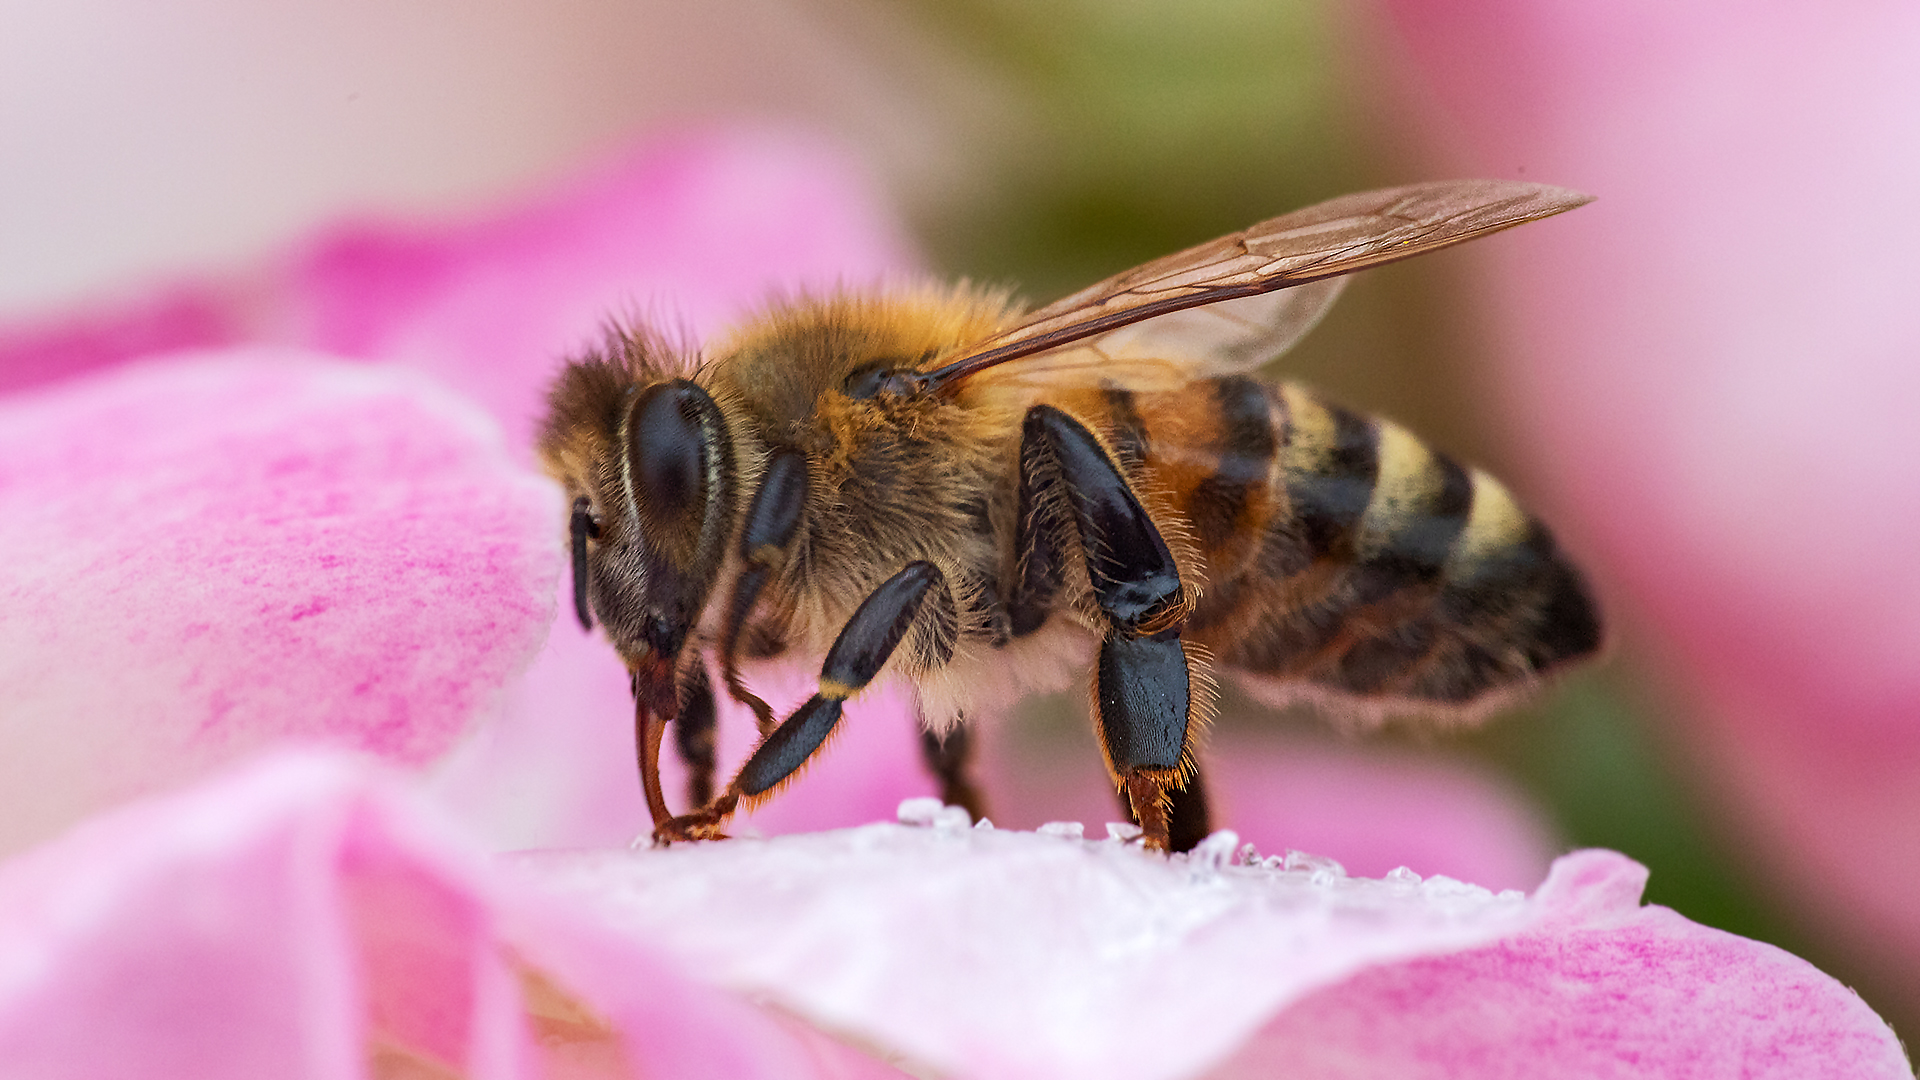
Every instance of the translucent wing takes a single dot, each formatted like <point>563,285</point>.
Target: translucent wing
<point>1336,237</point>
<point>1167,351</point>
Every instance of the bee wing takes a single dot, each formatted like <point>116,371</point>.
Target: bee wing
<point>1337,237</point>
<point>1166,351</point>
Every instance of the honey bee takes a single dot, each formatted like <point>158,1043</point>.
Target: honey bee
<point>933,484</point>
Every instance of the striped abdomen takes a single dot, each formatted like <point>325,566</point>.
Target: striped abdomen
<point>1344,556</point>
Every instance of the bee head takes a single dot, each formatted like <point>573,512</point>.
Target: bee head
<point>650,468</point>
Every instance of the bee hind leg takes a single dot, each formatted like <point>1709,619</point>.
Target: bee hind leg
<point>862,649</point>
<point>949,758</point>
<point>1143,690</point>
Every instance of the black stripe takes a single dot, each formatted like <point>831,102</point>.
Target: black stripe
<point>1532,597</point>
<point>1328,504</point>
<point>1245,448</point>
<point>1502,580</point>
<point>1569,624</point>
<point>1423,541</point>
<point>1414,554</point>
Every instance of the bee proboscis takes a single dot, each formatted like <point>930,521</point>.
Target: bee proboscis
<point>931,483</point>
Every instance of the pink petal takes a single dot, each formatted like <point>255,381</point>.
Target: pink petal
<point>204,555</point>
<point>1718,357</point>
<point>1604,988</point>
<point>990,953</point>
<point>1370,808</point>
<point>1375,810</point>
<point>687,232</point>
<point>307,918</point>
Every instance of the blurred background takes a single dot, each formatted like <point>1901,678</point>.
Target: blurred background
<point>1753,740</point>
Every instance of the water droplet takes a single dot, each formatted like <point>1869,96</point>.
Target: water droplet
<point>920,812</point>
<point>1313,864</point>
<point>1215,851</point>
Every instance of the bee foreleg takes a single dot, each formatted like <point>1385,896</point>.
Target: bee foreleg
<point>773,521</point>
<point>863,647</point>
<point>1143,689</point>
<point>581,528</point>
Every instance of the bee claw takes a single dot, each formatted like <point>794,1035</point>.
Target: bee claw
<point>705,823</point>
<point>686,830</point>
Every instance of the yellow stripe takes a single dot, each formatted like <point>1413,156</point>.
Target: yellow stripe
<point>835,690</point>
<point>1495,523</point>
<point>1311,433</point>
<point>1406,483</point>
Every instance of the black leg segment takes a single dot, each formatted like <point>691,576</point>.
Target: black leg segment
<point>862,649</point>
<point>1134,577</point>
<point>790,745</point>
<point>1144,701</point>
<point>1143,689</point>
<point>949,758</point>
<point>582,527</point>
<point>693,734</point>
<point>774,517</point>
<point>1037,537</point>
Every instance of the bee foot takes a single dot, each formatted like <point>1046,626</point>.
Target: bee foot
<point>688,828</point>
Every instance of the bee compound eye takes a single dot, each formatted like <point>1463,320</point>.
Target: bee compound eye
<point>673,437</point>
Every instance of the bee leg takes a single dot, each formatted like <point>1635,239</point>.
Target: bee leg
<point>1143,688</point>
<point>773,521</point>
<point>950,757</point>
<point>862,649</point>
<point>1188,818</point>
<point>1041,528</point>
<point>693,732</point>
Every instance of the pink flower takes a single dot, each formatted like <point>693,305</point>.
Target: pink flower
<point>1719,358</point>
<point>310,916</point>
<point>253,543</point>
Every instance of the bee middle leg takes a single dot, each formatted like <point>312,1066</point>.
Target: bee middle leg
<point>1143,693</point>
<point>693,733</point>
<point>863,647</point>
<point>772,526</point>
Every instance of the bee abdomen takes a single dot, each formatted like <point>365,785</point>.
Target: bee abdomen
<point>1344,555</point>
